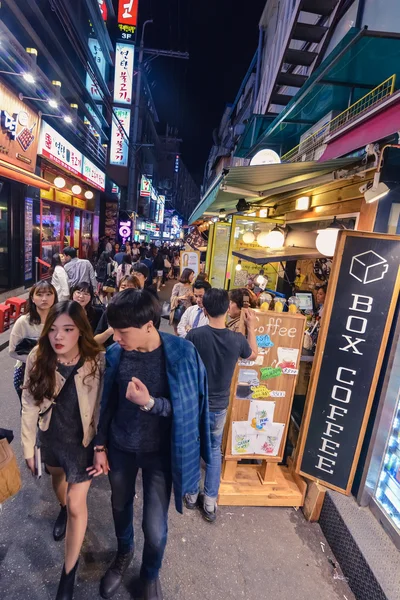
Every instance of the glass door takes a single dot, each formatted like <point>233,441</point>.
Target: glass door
<point>68,230</point>
<point>77,230</point>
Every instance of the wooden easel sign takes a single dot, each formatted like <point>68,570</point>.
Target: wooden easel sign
<point>362,295</point>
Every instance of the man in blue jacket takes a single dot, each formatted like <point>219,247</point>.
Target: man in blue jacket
<point>154,417</point>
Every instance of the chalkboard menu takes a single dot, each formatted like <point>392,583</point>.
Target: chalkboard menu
<point>359,308</point>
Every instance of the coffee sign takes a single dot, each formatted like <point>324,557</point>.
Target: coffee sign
<point>362,295</point>
<point>19,131</point>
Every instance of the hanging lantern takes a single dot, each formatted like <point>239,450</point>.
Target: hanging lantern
<point>262,239</point>
<point>275,238</point>
<point>248,237</point>
<point>327,238</point>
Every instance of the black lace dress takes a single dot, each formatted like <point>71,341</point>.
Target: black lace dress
<point>61,445</point>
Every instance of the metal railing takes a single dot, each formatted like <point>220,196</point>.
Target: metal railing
<point>316,139</point>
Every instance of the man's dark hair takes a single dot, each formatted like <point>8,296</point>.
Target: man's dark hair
<point>69,251</point>
<point>201,285</point>
<point>122,248</point>
<point>133,308</point>
<point>216,302</point>
<point>141,268</point>
<point>237,296</point>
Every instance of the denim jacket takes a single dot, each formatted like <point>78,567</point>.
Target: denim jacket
<point>187,381</point>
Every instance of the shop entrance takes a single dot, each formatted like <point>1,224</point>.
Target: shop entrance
<point>4,240</point>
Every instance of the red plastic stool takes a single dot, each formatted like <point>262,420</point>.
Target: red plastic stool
<point>17,306</point>
<point>4,317</point>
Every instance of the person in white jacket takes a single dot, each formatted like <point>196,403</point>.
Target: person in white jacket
<point>59,278</point>
<point>194,316</point>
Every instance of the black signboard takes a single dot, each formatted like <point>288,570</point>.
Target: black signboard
<point>362,294</point>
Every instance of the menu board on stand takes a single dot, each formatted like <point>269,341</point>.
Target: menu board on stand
<point>257,425</point>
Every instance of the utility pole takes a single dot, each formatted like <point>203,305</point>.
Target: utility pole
<point>134,145</point>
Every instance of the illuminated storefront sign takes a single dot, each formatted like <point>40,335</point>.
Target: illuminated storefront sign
<point>93,174</point>
<point>19,131</point>
<point>98,56</point>
<point>103,9</point>
<point>119,142</point>
<point>128,12</point>
<point>125,230</point>
<point>160,209</point>
<point>123,79</point>
<point>145,186</point>
<point>54,146</point>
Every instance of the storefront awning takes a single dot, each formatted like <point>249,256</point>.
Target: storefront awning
<point>256,183</point>
<point>17,174</point>
<point>263,256</point>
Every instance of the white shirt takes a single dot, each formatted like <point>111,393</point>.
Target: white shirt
<point>188,318</point>
<point>60,282</point>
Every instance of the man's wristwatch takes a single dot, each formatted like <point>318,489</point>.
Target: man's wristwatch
<point>147,407</point>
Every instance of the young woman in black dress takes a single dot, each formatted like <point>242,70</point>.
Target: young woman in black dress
<point>62,389</point>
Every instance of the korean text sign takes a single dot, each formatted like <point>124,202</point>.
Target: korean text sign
<point>123,79</point>
<point>54,146</point>
<point>358,313</point>
<point>119,143</point>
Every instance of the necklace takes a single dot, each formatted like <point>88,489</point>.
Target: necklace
<point>70,362</point>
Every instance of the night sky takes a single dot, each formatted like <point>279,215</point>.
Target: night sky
<point>191,94</point>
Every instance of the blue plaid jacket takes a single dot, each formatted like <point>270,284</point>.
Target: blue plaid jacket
<point>187,381</point>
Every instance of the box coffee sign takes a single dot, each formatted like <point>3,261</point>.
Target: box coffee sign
<point>362,294</point>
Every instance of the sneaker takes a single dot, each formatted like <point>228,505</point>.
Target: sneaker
<point>112,578</point>
<point>188,502</point>
<point>211,517</point>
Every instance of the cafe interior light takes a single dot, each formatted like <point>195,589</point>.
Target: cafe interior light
<point>327,238</point>
<point>303,203</point>
<point>264,213</point>
<point>262,239</point>
<point>376,191</point>
<point>260,276</point>
<point>248,237</point>
<point>239,265</point>
<point>88,195</point>
<point>59,182</point>
<point>76,189</point>
<point>275,238</point>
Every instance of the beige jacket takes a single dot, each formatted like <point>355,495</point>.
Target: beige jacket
<point>89,396</point>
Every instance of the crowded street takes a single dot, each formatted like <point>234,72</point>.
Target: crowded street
<point>201,561</point>
<point>199,300</point>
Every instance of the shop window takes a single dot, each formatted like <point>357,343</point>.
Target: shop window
<point>86,236</point>
<point>50,232</point>
<point>4,190</point>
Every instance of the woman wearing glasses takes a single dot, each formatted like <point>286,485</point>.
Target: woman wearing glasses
<point>83,294</point>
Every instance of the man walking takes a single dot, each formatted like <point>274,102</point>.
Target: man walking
<point>194,316</point>
<point>79,270</point>
<point>220,350</point>
<point>154,417</point>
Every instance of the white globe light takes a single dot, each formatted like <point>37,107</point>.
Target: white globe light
<point>238,267</point>
<point>262,239</point>
<point>265,157</point>
<point>248,237</point>
<point>89,195</point>
<point>275,239</point>
<point>59,182</point>
<point>76,189</point>
<point>326,241</point>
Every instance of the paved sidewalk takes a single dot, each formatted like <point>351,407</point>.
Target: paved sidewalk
<point>249,554</point>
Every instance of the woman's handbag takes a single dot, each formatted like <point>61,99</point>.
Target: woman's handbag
<point>110,286</point>
<point>165,310</point>
<point>25,346</point>
<point>10,477</point>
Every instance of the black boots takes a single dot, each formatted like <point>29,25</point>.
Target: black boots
<point>113,576</point>
<point>152,590</point>
<point>60,525</point>
<point>66,586</point>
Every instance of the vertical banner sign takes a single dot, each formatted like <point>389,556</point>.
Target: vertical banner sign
<point>119,143</point>
<point>123,79</point>
<point>362,295</point>
<point>127,18</point>
<point>98,56</point>
<point>28,238</point>
<point>103,9</point>
<point>145,186</point>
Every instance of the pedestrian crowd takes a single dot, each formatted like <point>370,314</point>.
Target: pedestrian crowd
<point>153,401</point>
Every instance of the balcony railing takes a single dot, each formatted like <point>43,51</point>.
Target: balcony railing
<point>316,139</point>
